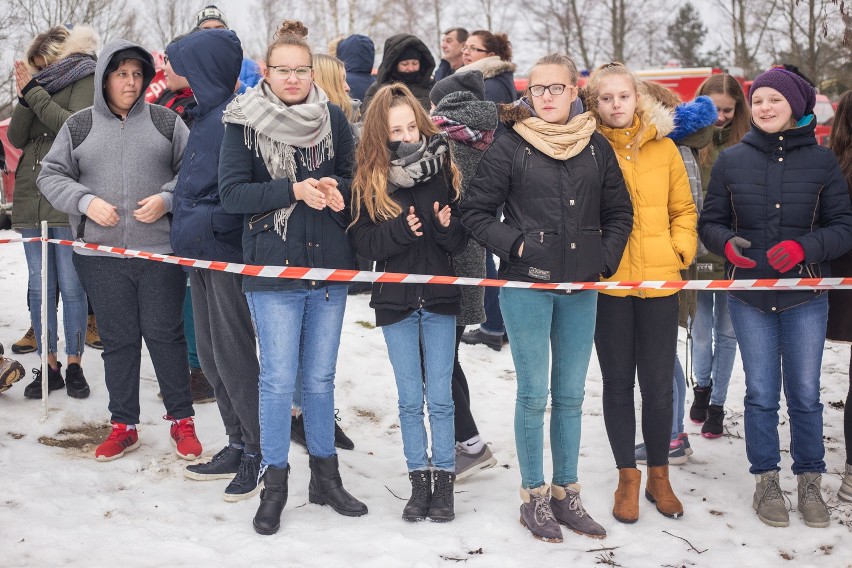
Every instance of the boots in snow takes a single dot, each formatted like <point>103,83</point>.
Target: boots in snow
<point>273,497</point>
<point>326,488</point>
<point>421,495</point>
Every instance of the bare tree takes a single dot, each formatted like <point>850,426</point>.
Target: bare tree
<point>166,20</point>
<point>110,17</point>
<point>750,22</point>
<point>573,23</point>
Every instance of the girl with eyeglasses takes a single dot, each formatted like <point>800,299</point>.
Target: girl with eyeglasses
<point>286,164</point>
<point>636,330</point>
<point>567,216</point>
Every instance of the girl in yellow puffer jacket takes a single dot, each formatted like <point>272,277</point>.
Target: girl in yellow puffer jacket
<point>636,330</point>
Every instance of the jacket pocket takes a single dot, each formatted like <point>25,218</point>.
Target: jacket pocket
<point>541,256</point>
<point>591,262</point>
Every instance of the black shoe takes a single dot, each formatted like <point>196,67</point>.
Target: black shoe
<point>341,440</point>
<point>442,507</point>
<point>75,382</point>
<point>421,495</point>
<point>223,465</point>
<point>326,488</point>
<point>54,381</point>
<point>297,430</point>
<point>698,410</point>
<point>478,336</point>
<point>713,427</point>
<point>267,520</point>
<point>245,483</point>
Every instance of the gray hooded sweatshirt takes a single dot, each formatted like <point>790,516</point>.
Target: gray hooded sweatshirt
<point>97,154</point>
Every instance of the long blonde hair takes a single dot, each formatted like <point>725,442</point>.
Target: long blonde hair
<point>328,75</point>
<point>370,182</point>
<point>48,45</point>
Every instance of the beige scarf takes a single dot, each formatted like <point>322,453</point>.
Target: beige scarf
<point>559,141</point>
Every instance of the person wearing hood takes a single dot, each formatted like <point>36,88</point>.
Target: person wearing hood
<point>566,218</point>
<point>202,229</point>
<point>64,66</point>
<point>112,169</point>
<point>358,54</point>
<point>491,54</point>
<point>407,60</point>
<point>778,207</point>
<point>636,332</point>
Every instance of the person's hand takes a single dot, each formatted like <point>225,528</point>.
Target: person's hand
<point>152,208</point>
<point>443,215</point>
<point>734,252</point>
<point>413,222</point>
<point>328,186</point>
<point>785,255</point>
<point>22,77</point>
<point>307,192</point>
<point>102,213</point>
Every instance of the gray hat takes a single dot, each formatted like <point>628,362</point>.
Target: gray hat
<point>470,81</point>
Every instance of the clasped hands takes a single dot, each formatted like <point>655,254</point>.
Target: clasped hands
<point>319,193</point>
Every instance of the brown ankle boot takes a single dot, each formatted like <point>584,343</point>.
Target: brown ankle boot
<point>626,508</point>
<point>658,490</point>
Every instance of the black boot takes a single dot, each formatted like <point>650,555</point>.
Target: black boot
<point>442,508</point>
<point>698,410</point>
<point>297,430</point>
<point>421,495</point>
<point>267,520</point>
<point>326,488</point>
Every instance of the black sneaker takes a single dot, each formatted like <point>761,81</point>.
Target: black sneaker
<point>75,382</point>
<point>54,381</point>
<point>698,410</point>
<point>478,336</point>
<point>297,430</point>
<point>223,465</point>
<point>713,427</point>
<point>341,440</point>
<point>244,484</point>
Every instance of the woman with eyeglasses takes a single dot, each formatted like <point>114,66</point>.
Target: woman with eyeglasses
<point>567,216</point>
<point>491,54</point>
<point>286,165</point>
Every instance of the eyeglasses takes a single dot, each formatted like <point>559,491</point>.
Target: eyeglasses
<point>471,48</point>
<point>281,72</point>
<point>555,89</point>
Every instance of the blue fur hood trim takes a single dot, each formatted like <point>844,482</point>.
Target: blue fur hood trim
<point>693,116</point>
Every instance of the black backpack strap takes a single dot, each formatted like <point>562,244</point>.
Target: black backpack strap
<point>79,126</point>
<point>164,120</point>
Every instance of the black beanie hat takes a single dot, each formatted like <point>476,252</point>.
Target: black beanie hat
<point>797,91</point>
<point>470,81</point>
<point>409,52</point>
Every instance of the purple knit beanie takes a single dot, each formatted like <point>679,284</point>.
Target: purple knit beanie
<point>797,91</point>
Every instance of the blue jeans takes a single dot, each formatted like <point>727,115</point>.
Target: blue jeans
<point>678,398</point>
<point>60,272</point>
<point>434,336</point>
<point>297,329</point>
<point>782,349</point>
<point>544,325</point>
<point>714,345</point>
<point>493,323</point>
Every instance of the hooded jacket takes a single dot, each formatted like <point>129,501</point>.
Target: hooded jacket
<point>499,78</point>
<point>395,46</point>
<point>33,129</point>
<point>771,188</point>
<point>122,161</point>
<point>210,61</point>
<point>358,54</point>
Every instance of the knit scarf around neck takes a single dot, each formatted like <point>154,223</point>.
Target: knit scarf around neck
<point>559,141</point>
<point>66,71</point>
<point>278,133</point>
<point>416,162</point>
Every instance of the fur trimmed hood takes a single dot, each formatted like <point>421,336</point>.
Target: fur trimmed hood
<point>82,39</point>
<point>657,115</point>
<point>693,116</point>
<point>489,66</point>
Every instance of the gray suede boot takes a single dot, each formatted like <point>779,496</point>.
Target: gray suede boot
<point>811,505</point>
<point>568,510</point>
<point>845,491</point>
<point>768,500</point>
<point>537,516</point>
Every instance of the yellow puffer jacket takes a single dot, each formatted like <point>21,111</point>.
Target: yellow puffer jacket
<point>664,237</point>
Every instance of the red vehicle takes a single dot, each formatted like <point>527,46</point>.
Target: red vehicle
<point>9,156</point>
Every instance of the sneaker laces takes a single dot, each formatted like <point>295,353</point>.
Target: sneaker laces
<point>772,491</point>
<point>184,428</point>
<point>244,474</point>
<point>812,491</point>
<point>543,512</point>
<point>36,375</point>
<point>117,433</point>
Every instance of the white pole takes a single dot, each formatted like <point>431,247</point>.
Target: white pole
<point>44,332</point>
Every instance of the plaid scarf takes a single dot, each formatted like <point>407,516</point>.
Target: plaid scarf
<point>278,132</point>
<point>478,139</point>
<point>66,71</point>
<point>413,163</point>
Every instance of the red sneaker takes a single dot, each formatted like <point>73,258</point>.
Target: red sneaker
<point>119,441</point>
<point>186,442</point>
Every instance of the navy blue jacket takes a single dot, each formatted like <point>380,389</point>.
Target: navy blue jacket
<point>315,239</point>
<point>771,188</point>
<point>210,60</point>
<point>358,54</point>
<point>500,89</point>
<point>444,70</point>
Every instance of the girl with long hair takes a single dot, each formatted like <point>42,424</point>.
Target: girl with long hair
<point>404,197</point>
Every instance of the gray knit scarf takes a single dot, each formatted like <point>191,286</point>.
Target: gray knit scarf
<point>66,71</point>
<point>278,133</point>
<point>416,162</point>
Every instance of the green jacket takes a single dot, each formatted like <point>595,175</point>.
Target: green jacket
<point>712,266</point>
<point>33,130</point>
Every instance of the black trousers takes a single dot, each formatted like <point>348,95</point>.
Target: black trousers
<point>464,422</point>
<point>637,337</point>
<point>847,416</point>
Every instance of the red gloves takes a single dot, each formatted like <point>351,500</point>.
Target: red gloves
<point>734,252</point>
<point>785,255</point>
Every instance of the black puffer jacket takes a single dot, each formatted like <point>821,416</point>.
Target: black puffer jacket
<point>574,216</point>
<point>395,46</point>
<point>396,249</point>
<point>771,188</point>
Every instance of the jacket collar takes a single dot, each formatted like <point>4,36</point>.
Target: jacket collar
<point>792,138</point>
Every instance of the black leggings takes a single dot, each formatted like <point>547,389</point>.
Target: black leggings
<point>637,336</point>
<point>464,422</point>
<point>847,416</point>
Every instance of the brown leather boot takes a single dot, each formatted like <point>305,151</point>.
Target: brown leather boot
<point>658,490</point>
<point>626,508</point>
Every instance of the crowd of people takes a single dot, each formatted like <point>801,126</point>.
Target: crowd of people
<point>424,169</point>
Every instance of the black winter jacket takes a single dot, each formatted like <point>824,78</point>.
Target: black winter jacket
<point>396,249</point>
<point>771,188</point>
<point>574,216</point>
<point>315,239</point>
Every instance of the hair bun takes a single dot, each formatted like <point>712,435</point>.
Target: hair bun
<point>292,27</point>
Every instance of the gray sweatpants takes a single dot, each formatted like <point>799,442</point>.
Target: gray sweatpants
<point>226,348</point>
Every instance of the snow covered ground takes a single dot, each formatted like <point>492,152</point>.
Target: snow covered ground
<point>59,507</point>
